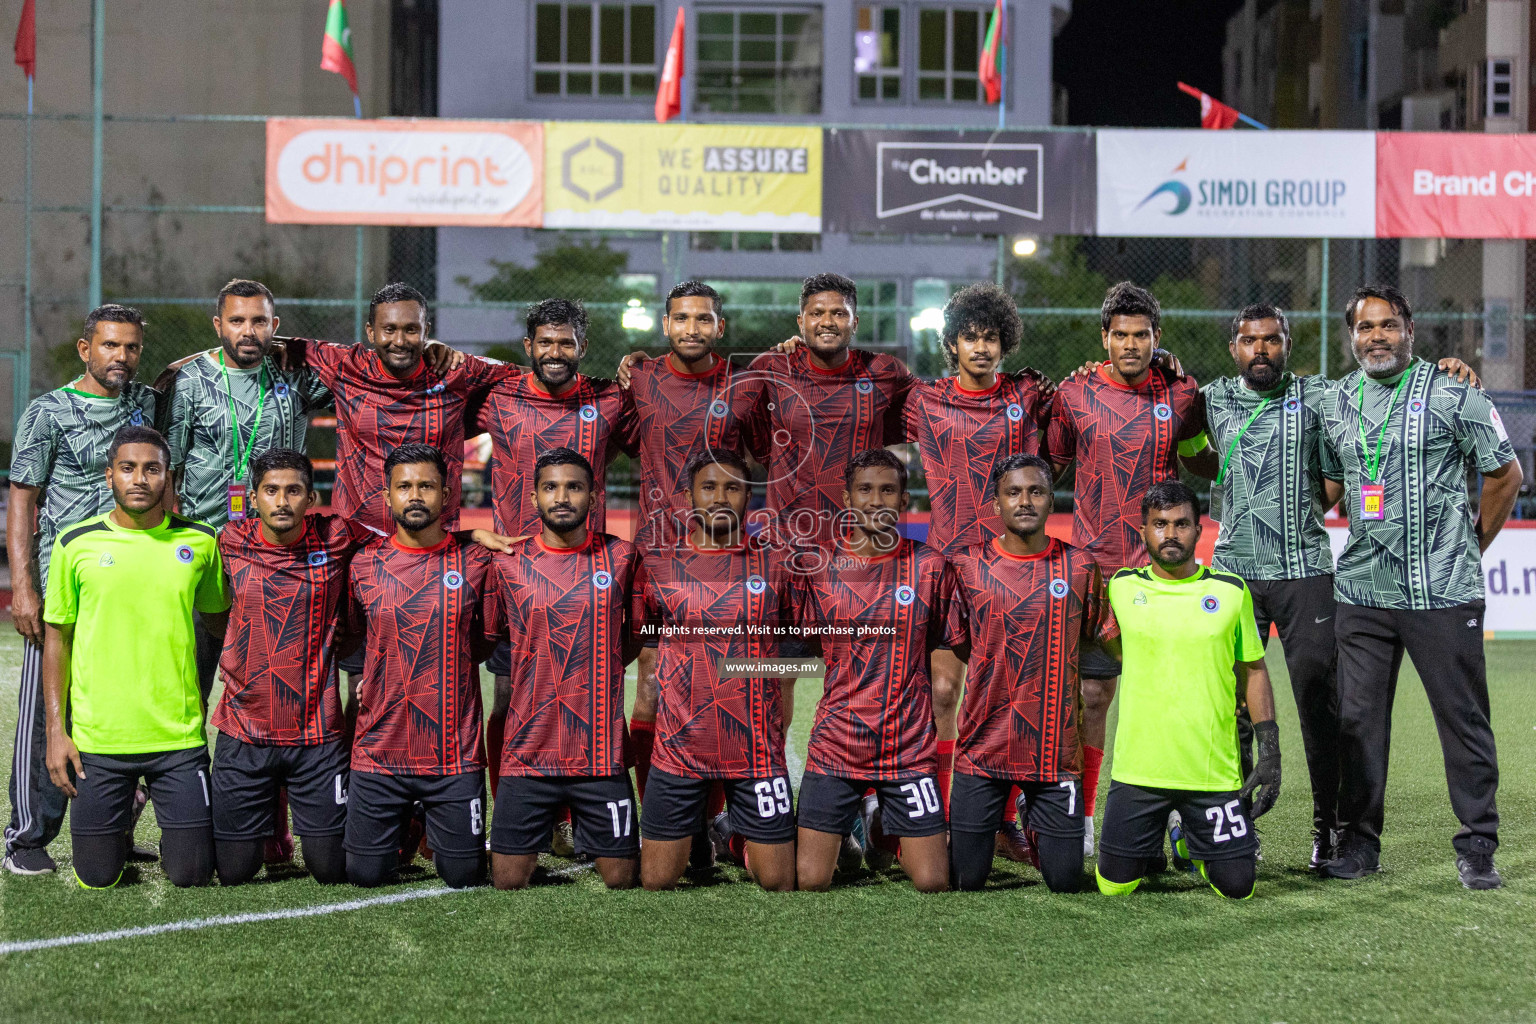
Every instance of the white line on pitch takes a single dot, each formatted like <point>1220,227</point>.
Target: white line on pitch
<point>197,923</point>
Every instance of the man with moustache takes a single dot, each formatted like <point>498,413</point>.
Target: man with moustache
<point>120,672</point>
<point>722,597</point>
<point>58,478</point>
<point>565,594</point>
<point>554,406</point>
<point>1025,607</point>
<point>1184,632</point>
<point>1402,436</point>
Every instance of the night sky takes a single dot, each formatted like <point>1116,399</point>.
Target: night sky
<point>1120,59</point>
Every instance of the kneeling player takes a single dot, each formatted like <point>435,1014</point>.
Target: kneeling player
<point>877,607</point>
<point>564,594</point>
<point>719,598</point>
<point>119,665</point>
<point>1025,606</point>
<point>1184,629</point>
<point>425,596</point>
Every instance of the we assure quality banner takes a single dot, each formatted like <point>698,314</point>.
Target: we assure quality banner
<point>703,177</point>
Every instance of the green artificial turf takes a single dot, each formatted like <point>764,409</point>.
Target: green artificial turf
<point>1409,944</point>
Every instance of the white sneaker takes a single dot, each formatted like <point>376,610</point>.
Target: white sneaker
<point>1087,835</point>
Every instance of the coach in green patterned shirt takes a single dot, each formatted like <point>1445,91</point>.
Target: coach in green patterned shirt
<point>1403,437</point>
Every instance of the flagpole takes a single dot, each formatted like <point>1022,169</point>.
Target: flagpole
<point>98,73</point>
<point>1002,50</point>
<point>357,275</point>
<point>23,386</point>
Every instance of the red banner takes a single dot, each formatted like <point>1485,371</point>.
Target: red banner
<point>1455,185</point>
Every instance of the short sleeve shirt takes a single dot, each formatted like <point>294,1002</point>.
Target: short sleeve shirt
<point>1423,553</point>
<point>1268,501</point>
<point>130,595</point>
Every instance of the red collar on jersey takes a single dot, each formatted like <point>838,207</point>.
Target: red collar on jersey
<point>738,549</point>
<point>997,382</point>
<point>667,362</point>
<point>842,543</point>
<point>844,367</point>
<point>1107,379</point>
<point>584,545</point>
<point>394,539</point>
<point>308,529</point>
<point>538,385</point>
<point>1050,547</point>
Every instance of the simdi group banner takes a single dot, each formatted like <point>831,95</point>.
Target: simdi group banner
<point>703,177</point>
<point>407,172</point>
<point>1236,184</point>
<point>968,183</point>
<point>1455,185</point>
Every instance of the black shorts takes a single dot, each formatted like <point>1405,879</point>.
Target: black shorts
<point>177,781</point>
<point>602,811</point>
<point>378,807</point>
<point>1094,663</point>
<point>352,664</point>
<point>1215,824</point>
<point>500,662</point>
<point>908,807</point>
<point>977,804</point>
<point>247,776</point>
<point>761,810</point>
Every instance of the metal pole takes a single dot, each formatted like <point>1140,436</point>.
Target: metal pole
<point>98,72</point>
<point>1002,254</point>
<point>359,305</point>
<point>22,388</point>
<point>1322,316</point>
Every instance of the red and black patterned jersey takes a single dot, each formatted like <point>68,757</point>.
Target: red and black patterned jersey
<point>565,613</point>
<point>679,415</point>
<point>594,417</point>
<point>1026,619</point>
<point>704,606</point>
<point>377,412</point>
<point>961,435</point>
<point>278,664</point>
<point>430,616</point>
<point>1123,439</point>
<point>876,620</point>
<point>812,422</point>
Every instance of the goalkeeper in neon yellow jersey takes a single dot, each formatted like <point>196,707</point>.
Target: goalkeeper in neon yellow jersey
<point>1183,631</point>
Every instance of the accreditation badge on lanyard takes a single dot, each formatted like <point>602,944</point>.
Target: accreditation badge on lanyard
<point>237,505</point>
<point>1373,499</point>
<point>1372,504</point>
<point>236,496</point>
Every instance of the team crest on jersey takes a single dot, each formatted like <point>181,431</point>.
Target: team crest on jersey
<point>864,385</point>
<point>281,390</point>
<point>318,557</point>
<point>602,580</point>
<point>905,595</point>
<point>1015,411</point>
<point>1141,597</point>
<point>1210,603</point>
<point>453,579</point>
<point>1058,587</point>
<point>588,413</point>
<point>1416,407</point>
<point>1162,411</point>
<point>136,417</point>
<point>184,554</point>
<point>717,408</point>
<point>106,559</point>
<point>1292,404</point>
<point>756,584</point>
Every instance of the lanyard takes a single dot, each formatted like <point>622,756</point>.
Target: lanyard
<point>1373,459</point>
<point>241,461</point>
<point>1222,475</point>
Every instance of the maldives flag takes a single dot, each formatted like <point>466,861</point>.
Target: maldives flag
<point>990,68</point>
<point>669,95</point>
<point>336,48</point>
<point>26,39</point>
<point>1213,112</point>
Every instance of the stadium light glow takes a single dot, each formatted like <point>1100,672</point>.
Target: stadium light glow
<point>636,318</point>
<point>1025,246</point>
<point>930,319</point>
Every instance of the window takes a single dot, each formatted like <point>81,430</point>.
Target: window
<point>595,49</point>
<point>949,52</point>
<point>877,53</point>
<point>753,241</point>
<point>1501,79</point>
<point>758,60</point>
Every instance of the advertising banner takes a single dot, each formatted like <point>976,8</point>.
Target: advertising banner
<point>971,183</point>
<point>420,173</point>
<point>1455,185</point>
<point>698,177</point>
<point>1236,184</point>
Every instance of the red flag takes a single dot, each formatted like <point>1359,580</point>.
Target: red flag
<point>989,69</point>
<point>1213,112</point>
<point>669,95</point>
<point>26,39</point>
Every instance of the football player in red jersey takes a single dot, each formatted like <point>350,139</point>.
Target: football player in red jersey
<point>963,425</point>
<point>565,594</point>
<point>426,597</point>
<point>876,609</point>
<point>720,598</point>
<point>1024,606</point>
<point>1124,428</point>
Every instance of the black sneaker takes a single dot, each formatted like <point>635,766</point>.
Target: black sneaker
<point>1354,860</point>
<point>1324,848</point>
<point>1477,871</point>
<point>29,861</point>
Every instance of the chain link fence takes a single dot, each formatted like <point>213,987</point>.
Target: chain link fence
<point>182,213</point>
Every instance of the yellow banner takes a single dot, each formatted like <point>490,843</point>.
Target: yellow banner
<point>688,177</point>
